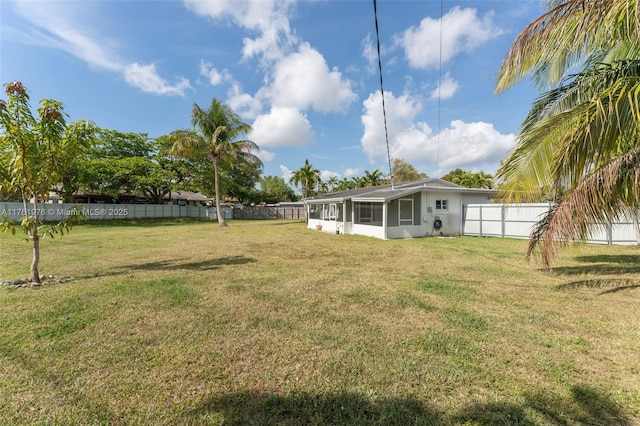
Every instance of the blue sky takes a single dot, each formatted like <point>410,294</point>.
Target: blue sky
<point>302,73</point>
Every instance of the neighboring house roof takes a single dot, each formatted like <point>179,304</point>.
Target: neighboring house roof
<point>385,193</point>
<point>187,195</point>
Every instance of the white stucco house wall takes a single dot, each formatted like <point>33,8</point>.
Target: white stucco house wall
<point>406,210</point>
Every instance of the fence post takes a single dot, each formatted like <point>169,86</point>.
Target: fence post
<point>503,218</point>
<point>480,214</point>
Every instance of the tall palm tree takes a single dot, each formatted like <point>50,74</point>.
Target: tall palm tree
<point>359,182</point>
<point>345,184</point>
<point>580,141</point>
<point>307,177</point>
<point>215,136</point>
<point>373,178</point>
<point>333,183</point>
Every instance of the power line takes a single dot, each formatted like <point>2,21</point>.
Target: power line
<point>384,111</point>
<point>439,93</point>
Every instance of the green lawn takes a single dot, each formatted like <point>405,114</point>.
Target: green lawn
<point>267,322</point>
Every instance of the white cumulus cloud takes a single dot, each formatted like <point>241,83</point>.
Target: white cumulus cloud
<point>446,89</point>
<point>401,112</point>
<point>282,127</point>
<point>66,26</point>
<point>303,80</point>
<point>147,79</point>
<point>270,18</point>
<point>212,74</point>
<point>286,173</point>
<point>244,104</point>
<point>471,146</point>
<point>462,31</point>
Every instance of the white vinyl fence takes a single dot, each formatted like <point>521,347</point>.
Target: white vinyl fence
<point>517,220</point>
<point>56,212</point>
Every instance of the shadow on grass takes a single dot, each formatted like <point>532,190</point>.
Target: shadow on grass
<point>585,406</point>
<point>145,223</point>
<point>245,408</point>
<point>612,285</point>
<point>279,222</point>
<point>602,265</point>
<point>177,264</point>
<point>622,265</point>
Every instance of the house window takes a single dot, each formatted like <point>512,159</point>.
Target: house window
<point>365,213</point>
<point>369,213</point>
<point>315,211</point>
<point>406,211</point>
<point>332,212</point>
<point>442,205</point>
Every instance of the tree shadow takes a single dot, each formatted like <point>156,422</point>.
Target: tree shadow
<point>621,266</point>
<point>586,405</point>
<point>144,222</point>
<point>602,265</point>
<point>612,285</point>
<point>303,408</point>
<point>178,264</point>
<point>278,222</point>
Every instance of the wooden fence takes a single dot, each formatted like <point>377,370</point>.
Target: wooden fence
<point>269,212</point>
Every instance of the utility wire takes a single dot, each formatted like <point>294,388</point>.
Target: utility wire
<point>439,94</point>
<point>384,111</point>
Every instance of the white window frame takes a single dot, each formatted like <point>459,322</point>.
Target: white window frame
<point>442,205</point>
<point>332,211</point>
<point>401,220</point>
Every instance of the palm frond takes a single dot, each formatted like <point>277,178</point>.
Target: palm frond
<point>187,143</point>
<point>577,29</point>
<point>607,193</point>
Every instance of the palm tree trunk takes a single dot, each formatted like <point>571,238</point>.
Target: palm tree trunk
<point>221,220</point>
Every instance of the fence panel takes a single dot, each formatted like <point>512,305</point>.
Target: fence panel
<point>517,221</point>
<point>56,212</point>
<point>269,212</point>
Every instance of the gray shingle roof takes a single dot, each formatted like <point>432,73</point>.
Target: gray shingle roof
<point>385,192</point>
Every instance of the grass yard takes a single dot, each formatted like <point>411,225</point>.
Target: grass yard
<point>267,322</point>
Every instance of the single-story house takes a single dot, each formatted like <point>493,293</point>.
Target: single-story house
<point>184,198</point>
<point>405,210</point>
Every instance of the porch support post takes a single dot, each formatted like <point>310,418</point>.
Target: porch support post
<point>344,216</point>
<point>384,218</point>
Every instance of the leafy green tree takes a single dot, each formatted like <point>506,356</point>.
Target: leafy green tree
<point>307,177</point>
<point>34,152</point>
<point>274,189</point>
<point>405,172</point>
<point>131,163</point>
<point>579,142</point>
<point>215,137</point>
<point>239,181</point>
<point>453,174</point>
<point>117,144</point>
<point>469,179</point>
